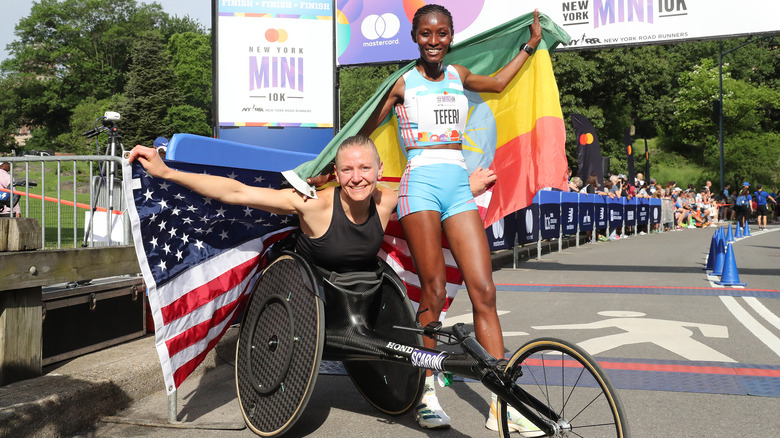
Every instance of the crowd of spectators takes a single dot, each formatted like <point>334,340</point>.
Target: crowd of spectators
<point>692,208</point>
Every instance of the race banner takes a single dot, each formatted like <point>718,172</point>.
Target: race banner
<point>273,64</point>
<point>374,31</point>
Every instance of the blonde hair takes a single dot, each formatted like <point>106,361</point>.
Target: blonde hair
<point>358,141</point>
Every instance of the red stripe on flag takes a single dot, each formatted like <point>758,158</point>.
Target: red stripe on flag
<point>206,293</point>
<point>527,164</point>
<point>199,332</point>
<point>181,373</point>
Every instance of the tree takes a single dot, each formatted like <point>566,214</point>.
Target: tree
<point>187,119</point>
<point>191,63</point>
<point>150,91</point>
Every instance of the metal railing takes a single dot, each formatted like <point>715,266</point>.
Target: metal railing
<point>70,197</point>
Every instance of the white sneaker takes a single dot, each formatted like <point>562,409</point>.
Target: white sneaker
<point>517,423</point>
<point>430,414</point>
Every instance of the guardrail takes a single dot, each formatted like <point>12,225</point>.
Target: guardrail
<point>555,214</point>
<point>58,188</point>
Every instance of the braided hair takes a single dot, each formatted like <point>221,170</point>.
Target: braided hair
<point>430,9</point>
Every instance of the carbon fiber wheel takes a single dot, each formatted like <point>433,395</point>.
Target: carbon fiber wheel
<point>391,387</point>
<point>279,348</point>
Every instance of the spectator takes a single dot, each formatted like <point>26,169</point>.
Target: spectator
<point>761,206</point>
<point>591,185</point>
<point>575,184</point>
<point>6,182</point>
<point>744,205</point>
<point>161,144</point>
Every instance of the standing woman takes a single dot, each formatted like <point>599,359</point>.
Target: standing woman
<point>434,195</point>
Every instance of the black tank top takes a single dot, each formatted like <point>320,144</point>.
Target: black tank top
<point>346,246</point>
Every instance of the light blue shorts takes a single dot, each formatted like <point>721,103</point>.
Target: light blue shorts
<point>435,180</point>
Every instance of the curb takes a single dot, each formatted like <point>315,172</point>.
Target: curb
<point>74,395</point>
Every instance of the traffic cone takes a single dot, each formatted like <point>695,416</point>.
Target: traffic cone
<point>713,249</point>
<point>729,235</point>
<point>720,255</point>
<point>738,234</point>
<point>746,232</point>
<point>730,276</point>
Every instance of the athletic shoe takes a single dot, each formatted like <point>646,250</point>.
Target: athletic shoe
<point>516,422</point>
<point>642,233</point>
<point>429,413</point>
<point>603,239</point>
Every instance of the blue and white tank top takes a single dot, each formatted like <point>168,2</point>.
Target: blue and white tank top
<point>433,112</point>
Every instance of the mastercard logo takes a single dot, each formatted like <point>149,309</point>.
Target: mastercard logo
<point>586,139</point>
<point>276,35</point>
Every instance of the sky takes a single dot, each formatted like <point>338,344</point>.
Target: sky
<point>15,10</point>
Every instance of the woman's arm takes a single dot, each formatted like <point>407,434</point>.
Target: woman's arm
<point>222,189</point>
<point>391,99</point>
<point>497,83</point>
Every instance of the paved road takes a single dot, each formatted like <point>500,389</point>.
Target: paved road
<point>688,358</point>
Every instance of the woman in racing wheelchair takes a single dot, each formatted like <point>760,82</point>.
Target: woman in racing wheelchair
<point>341,233</point>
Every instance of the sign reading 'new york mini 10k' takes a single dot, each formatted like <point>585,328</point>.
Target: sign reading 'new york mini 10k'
<point>275,63</point>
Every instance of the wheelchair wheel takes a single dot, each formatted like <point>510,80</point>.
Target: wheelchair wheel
<point>279,348</point>
<point>570,383</point>
<point>391,387</point>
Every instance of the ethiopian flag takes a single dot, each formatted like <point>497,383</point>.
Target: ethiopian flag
<point>518,133</point>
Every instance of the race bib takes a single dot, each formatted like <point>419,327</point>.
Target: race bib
<point>442,116</point>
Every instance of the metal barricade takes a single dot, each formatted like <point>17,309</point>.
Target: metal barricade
<point>70,197</point>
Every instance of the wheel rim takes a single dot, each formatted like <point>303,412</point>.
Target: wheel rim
<point>565,380</point>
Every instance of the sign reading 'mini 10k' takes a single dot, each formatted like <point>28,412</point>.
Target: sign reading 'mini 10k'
<point>275,62</point>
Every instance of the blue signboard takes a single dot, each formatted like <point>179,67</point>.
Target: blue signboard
<point>655,211</point>
<point>501,235</point>
<point>550,213</point>
<point>569,212</point>
<point>600,212</point>
<point>643,211</point>
<point>528,223</point>
<point>587,211</point>
<point>615,207</point>
<point>630,211</point>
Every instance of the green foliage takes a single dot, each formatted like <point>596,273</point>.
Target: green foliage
<point>358,84</point>
<point>84,118</point>
<point>188,119</point>
<point>191,63</point>
<point>150,91</point>
<point>71,50</point>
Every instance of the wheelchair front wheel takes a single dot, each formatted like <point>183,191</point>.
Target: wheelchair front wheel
<point>570,383</point>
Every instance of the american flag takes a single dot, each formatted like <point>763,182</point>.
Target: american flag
<point>199,259</point>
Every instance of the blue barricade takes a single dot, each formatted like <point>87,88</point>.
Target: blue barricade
<point>205,150</point>
<point>587,211</point>
<point>501,235</point>
<point>629,207</point>
<point>550,212</point>
<point>569,212</point>
<point>616,208</point>
<point>528,223</point>
<point>643,211</point>
<point>655,210</point>
<point>601,212</point>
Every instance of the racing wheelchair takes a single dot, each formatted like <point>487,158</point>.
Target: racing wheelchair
<point>298,315</point>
